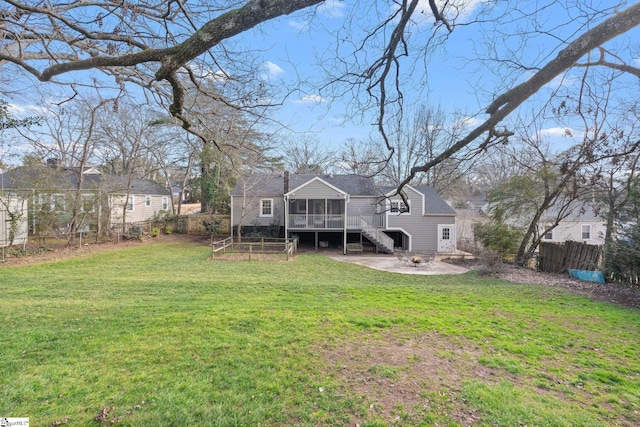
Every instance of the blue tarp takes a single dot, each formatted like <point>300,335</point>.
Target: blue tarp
<point>589,276</point>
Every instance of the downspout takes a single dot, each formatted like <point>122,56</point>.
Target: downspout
<point>286,216</point>
<point>230,216</point>
<point>33,211</point>
<point>346,219</point>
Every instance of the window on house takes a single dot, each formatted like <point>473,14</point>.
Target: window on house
<point>586,231</point>
<point>165,203</point>
<point>398,206</point>
<point>301,206</point>
<point>446,233</point>
<point>548,235</point>
<point>88,204</point>
<point>52,202</point>
<point>147,200</point>
<point>266,207</point>
<point>130,203</point>
<point>60,202</point>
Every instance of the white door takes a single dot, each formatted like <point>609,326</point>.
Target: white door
<point>446,236</point>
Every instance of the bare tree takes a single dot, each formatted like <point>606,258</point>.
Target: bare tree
<point>417,139</point>
<point>559,180</point>
<point>360,158</point>
<point>307,155</point>
<point>68,138</point>
<point>123,133</point>
<point>154,45</point>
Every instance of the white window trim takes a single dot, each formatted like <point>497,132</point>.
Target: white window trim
<point>262,214</point>
<point>87,199</point>
<point>582,233</point>
<point>544,235</point>
<point>399,201</point>
<point>165,203</point>
<point>133,203</point>
<point>56,201</point>
<point>147,201</point>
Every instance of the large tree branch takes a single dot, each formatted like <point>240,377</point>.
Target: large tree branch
<point>506,103</point>
<point>212,33</point>
<point>602,61</point>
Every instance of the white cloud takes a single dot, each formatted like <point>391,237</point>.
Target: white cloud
<point>299,25</point>
<point>308,99</point>
<point>202,72</point>
<point>456,10</point>
<point>332,8</point>
<point>467,122</point>
<point>557,132</point>
<point>273,70</point>
<point>22,111</point>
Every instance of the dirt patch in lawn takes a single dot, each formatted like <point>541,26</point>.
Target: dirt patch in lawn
<point>245,256</point>
<point>407,379</point>
<point>57,250</point>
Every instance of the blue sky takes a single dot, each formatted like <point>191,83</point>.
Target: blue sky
<point>289,49</point>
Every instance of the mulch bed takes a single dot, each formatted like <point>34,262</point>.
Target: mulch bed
<point>628,296</point>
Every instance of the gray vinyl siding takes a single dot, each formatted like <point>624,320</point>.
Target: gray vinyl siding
<point>252,211</point>
<point>362,206</point>
<point>422,228</point>
<point>317,190</point>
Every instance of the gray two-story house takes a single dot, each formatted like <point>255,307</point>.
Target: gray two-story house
<point>334,210</point>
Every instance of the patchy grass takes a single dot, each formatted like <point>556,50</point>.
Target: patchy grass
<point>159,335</point>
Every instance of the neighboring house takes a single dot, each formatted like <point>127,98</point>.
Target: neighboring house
<point>583,224</point>
<point>105,198</point>
<point>465,226</point>
<point>13,220</point>
<point>334,210</point>
<point>580,223</point>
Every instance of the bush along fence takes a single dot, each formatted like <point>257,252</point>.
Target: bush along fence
<point>623,261</point>
<point>260,245</point>
<point>560,257</point>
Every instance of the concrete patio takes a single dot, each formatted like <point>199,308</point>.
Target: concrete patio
<point>401,264</point>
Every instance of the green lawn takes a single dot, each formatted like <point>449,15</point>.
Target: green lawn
<point>158,335</point>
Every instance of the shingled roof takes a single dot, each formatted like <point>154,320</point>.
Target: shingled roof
<point>65,179</point>
<point>273,184</point>
<point>354,185</point>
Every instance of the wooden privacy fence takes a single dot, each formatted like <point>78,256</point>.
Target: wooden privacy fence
<point>558,257</point>
<point>261,245</point>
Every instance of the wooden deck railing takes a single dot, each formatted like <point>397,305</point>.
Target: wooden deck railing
<point>332,221</point>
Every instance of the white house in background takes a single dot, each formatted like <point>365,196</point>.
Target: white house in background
<point>334,210</point>
<point>583,224</point>
<point>106,199</point>
<point>17,208</point>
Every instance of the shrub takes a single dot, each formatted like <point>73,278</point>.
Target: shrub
<point>134,233</point>
<point>622,258</point>
<point>499,237</point>
<point>181,223</point>
<point>490,262</point>
<point>211,227</point>
<point>178,223</point>
<point>168,229</point>
<point>155,231</point>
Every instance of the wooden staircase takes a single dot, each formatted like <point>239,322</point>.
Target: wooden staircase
<point>377,236</point>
